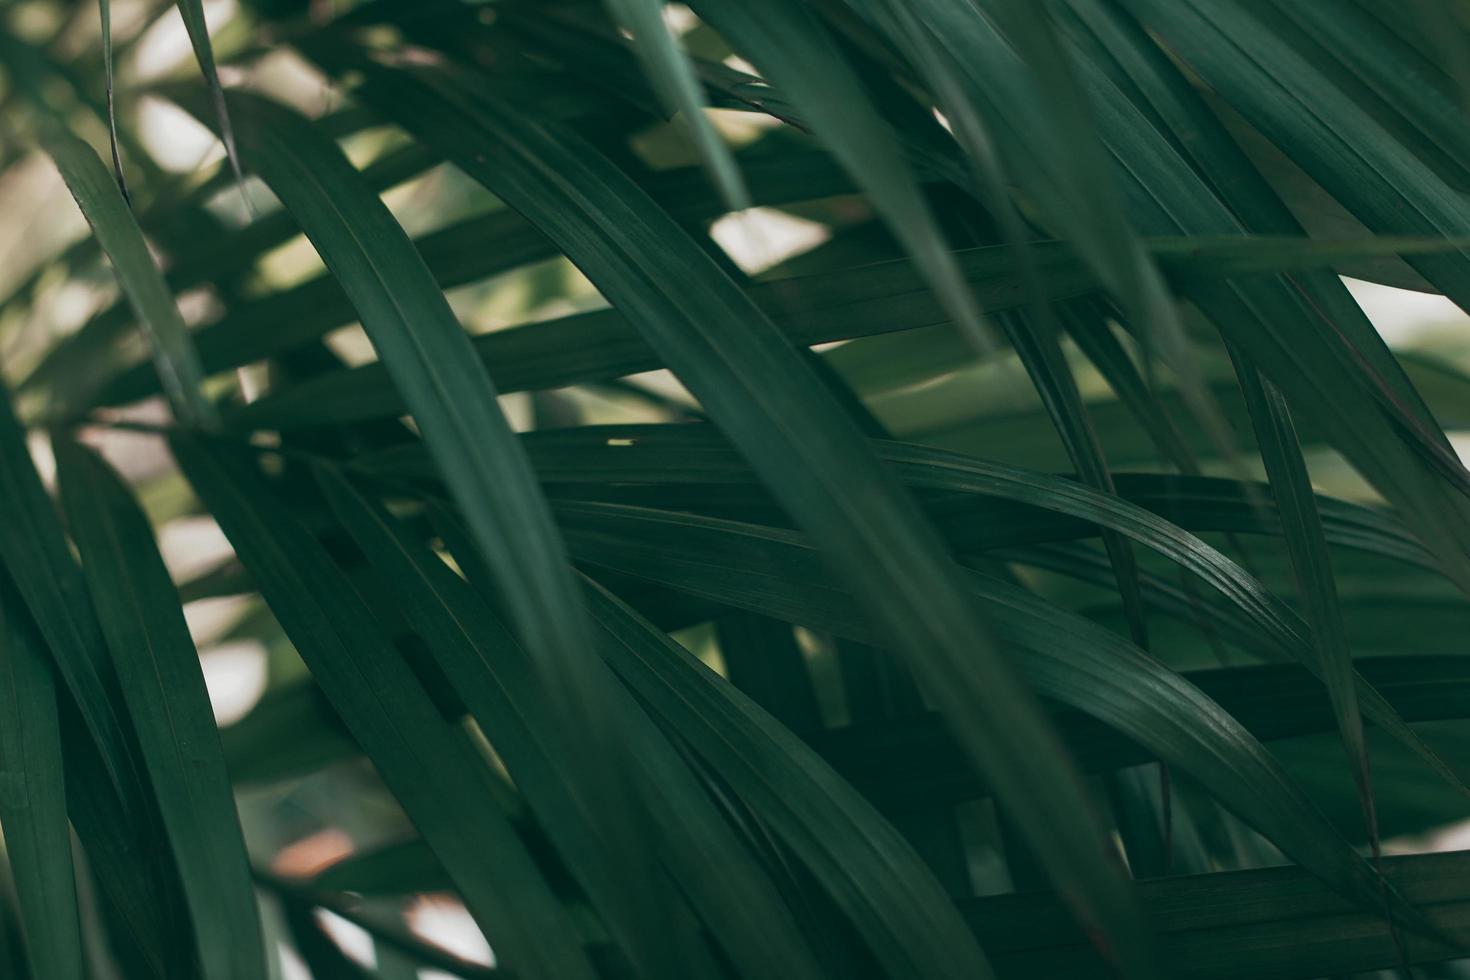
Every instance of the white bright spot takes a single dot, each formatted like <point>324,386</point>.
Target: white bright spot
<point>208,618</point>
<point>235,675</point>
<point>740,64</point>
<point>663,381</point>
<point>353,938</point>
<point>351,344</point>
<point>758,238</point>
<point>45,463</point>
<point>71,304</point>
<point>679,19</point>
<point>1401,315</point>
<point>287,77</point>
<point>1452,838</point>
<point>192,546</point>
<point>446,923</point>
<point>741,128</point>
<point>291,966</point>
<point>175,139</point>
<point>516,406</point>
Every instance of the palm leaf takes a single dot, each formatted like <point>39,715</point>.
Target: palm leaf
<point>40,563</point>
<point>481,660</point>
<point>673,76</point>
<point>427,764</point>
<point>158,671</point>
<point>680,620</point>
<point>1072,661</point>
<point>192,12</point>
<point>102,201</point>
<point>530,172</point>
<point>34,813</point>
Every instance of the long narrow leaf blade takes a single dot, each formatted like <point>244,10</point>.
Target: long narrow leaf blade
<point>428,766</point>
<point>1307,545</point>
<point>35,552</point>
<point>751,381</point>
<point>431,362</point>
<point>697,454</point>
<point>192,12</point>
<point>101,200</point>
<point>800,58</point>
<point>33,804</point>
<point>163,686</point>
<point>492,675</point>
<point>1223,926</point>
<point>1065,657</point>
<point>105,10</point>
<point>869,869</point>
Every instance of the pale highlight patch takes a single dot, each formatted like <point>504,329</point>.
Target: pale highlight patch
<point>1403,315</point>
<point>192,546</point>
<point>445,922</point>
<point>209,618</point>
<point>292,968</point>
<point>235,674</point>
<point>354,940</point>
<point>758,238</point>
<point>175,139</point>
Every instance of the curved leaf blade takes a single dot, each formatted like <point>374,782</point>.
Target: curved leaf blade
<point>1307,545</point>
<point>163,686</point>
<point>428,765</point>
<point>797,54</point>
<point>750,380</point>
<point>673,76</point>
<point>866,865</point>
<point>107,211</point>
<point>192,12</point>
<point>492,675</point>
<point>1065,658</point>
<point>34,550</point>
<point>693,453</point>
<point>33,802</point>
<point>432,364</point>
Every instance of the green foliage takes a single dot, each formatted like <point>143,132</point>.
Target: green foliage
<point>1001,546</point>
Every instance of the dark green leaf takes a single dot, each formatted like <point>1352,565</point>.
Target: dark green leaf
<point>100,199</point>
<point>33,803</point>
<point>426,762</point>
<point>494,677</point>
<point>38,558</point>
<point>756,387</point>
<point>868,868</point>
<point>158,671</point>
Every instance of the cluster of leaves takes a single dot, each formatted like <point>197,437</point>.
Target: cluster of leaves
<point>771,662</point>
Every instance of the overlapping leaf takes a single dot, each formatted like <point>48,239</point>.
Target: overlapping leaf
<point>429,766</point>
<point>756,387</point>
<point>492,675</point>
<point>159,674</point>
<point>1068,660</point>
<point>33,807</point>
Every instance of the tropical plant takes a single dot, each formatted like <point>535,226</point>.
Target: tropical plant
<point>778,489</point>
